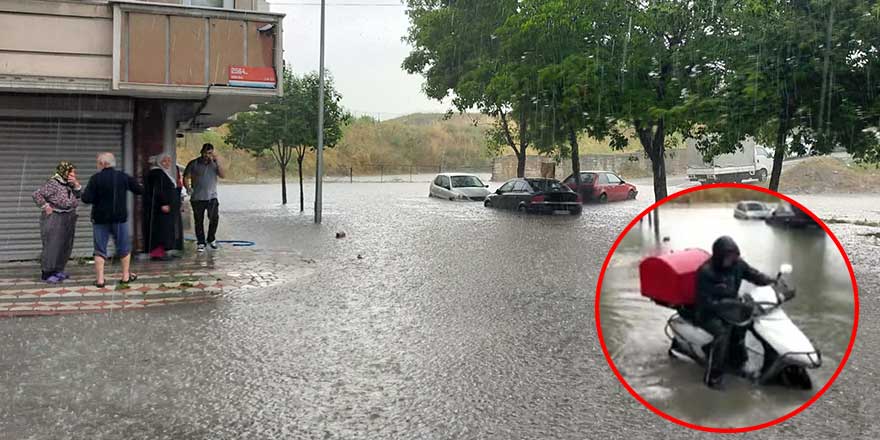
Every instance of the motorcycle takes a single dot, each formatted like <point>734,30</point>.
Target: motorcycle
<point>773,350</point>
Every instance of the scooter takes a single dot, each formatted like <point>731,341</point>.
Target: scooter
<point>775,350</point>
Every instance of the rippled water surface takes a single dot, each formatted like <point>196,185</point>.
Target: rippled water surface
<point>633,326</point>
<point>457,322</point>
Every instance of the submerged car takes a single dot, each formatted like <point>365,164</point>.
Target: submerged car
<point>602,186</point>
<point>787,215</point>
<point>459,187</point>
<point>543,196</point>
<point>751,210</point>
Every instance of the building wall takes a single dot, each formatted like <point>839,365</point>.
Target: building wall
<point>627,165</point>
<point>45,38</point>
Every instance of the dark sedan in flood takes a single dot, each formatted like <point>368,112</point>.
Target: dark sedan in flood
<point>787,215</point>
<point>543,196</point>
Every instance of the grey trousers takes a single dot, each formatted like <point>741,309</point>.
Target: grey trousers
<point>57,231</point>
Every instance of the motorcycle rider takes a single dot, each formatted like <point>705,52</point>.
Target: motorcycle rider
<point>718,280</point>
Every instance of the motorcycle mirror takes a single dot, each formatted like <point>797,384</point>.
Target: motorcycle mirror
<point>785,269</point>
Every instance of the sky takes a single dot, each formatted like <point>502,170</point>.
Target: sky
<point>363,52</point>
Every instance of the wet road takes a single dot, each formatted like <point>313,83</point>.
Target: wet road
<point>633,326</point>
<point>459,322</point>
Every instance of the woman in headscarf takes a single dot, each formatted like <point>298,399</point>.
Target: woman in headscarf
<point>161,204</point>
<point>58,198</point>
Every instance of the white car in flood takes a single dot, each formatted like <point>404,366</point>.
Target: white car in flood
<point>752,210</point>
<point>452,186</point>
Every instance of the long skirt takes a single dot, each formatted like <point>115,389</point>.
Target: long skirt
<point>57,231</point>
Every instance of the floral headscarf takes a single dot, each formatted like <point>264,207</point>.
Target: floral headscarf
<point>63,170</point>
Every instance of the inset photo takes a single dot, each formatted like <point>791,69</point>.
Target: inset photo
<point>727,308</point>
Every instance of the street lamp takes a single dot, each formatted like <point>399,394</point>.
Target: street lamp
<point>319,178</point>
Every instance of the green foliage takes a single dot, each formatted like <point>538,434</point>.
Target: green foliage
<point>785,85</point>
<point>286,127</point>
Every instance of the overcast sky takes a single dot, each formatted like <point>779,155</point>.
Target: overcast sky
<point>363,51</point>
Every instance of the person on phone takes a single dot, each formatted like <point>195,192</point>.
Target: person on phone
<point>200,178</point>
<point>161,203</point>
<point>718,282</point>
<point>58,198</point>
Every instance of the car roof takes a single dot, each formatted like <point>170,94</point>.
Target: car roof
<point>753,201</point>
<point>457,175</point>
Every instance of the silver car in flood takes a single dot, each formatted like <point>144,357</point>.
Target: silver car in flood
<point>752,210</point>
<point>452,186</point>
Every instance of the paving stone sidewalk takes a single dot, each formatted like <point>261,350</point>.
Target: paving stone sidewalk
<point>191,279</point>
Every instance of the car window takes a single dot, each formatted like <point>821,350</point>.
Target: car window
<point>466,182</point>
<point>570,180</point>
<point>545,185</point>
<point>587,178</point>
<point>521,186</point>
<point>603,178</point>
<point>507,187</point>
<point>612,179</point>
<point>739,207</point>
<point>444,181</point>
<point>755,207</point>
<point>438,181</point>
<point>761,152</point>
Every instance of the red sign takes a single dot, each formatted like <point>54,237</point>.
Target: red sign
<point>245,76</point>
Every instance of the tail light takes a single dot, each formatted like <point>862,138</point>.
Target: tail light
<point>538,199</point>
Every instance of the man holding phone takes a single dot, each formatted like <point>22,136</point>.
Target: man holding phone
<point>200,178</point>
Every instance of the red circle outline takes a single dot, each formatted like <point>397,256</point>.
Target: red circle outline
<point>747,428</point>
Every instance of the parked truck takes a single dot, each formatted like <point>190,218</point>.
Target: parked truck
<point>751,161</point>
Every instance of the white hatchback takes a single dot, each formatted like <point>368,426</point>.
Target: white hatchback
<point>458,187</point>
<point>752,210</point>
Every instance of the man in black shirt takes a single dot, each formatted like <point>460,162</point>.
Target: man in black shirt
<point>718,283</point>
<point>107,192</point>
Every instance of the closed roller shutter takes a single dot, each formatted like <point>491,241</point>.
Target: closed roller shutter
<point>29,152</point>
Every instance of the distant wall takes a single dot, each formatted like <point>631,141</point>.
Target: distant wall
<point>632,165</point>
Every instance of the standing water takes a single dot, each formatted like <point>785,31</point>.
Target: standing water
<point>633,326</point>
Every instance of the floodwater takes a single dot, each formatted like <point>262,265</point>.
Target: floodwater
<point>633,326</point>
<point>456,322</point>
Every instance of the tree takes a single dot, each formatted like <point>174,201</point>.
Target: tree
<point>611,64</point>
<point>456,49</point>
<point>794,76</point>
<point>286,126</point>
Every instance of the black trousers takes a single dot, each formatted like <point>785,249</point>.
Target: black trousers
<point>729,340</point>
<point>213,208</point>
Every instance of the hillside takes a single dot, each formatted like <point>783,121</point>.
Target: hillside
<point>421,142</point>
<point>418,143</point>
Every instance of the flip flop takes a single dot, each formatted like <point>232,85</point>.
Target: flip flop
<point>132,277</point>
<point>101,285</point>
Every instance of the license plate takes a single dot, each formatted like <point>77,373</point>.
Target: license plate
<point>559,212</point>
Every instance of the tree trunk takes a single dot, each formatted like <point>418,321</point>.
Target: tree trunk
<point>523,145</point>
<point>575,158</point>
<point>781,134</point>
<point>778,155</point>
<point>653,142</point>
<point>659,163</point>
<point>299,163</point>
<point>284,184</point>
<point>520,152</point>
<point>521,164</point>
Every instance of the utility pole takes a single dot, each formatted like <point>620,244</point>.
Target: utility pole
<point>319,179</point>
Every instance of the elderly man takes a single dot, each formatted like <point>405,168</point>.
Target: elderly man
<point>107,192</point>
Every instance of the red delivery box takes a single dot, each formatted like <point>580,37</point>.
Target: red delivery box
<point>670,279</point>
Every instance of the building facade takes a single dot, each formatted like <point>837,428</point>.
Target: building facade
<point>81,77</point>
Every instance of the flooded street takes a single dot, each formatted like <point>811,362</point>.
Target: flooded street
<point>633,326</point>
<point>456,322</point>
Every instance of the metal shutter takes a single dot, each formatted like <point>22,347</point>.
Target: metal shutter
<point>29,152</point>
